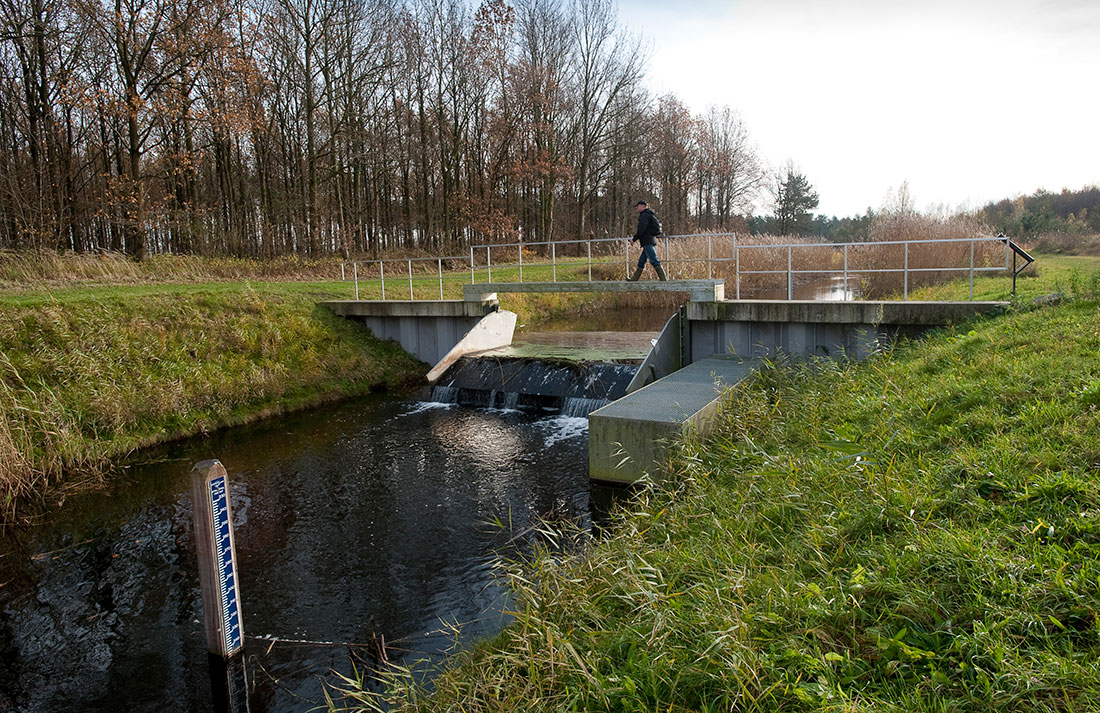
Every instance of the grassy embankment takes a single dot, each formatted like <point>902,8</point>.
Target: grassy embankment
<point>92,373</point>
<point>917,532</point>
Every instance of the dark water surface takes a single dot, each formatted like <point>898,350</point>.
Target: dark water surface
<point>377,512</point>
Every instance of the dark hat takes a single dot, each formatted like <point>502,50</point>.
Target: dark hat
<point>640,203</point>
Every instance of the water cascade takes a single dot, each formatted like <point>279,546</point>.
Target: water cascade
<point>574,388</point>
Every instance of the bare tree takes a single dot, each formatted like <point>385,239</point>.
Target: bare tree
<point>262,127</point>
<point>729,174</point>
<point>539,83</point>
<point>141,38</point>
<point>607,64</point>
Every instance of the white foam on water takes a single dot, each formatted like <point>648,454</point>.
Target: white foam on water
<point>422,406</point>
<point>563,428</point>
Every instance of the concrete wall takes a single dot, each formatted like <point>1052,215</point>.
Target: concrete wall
<point>766,339</point>
<point>426,329</point>
<point>663,359</point>
<point>854,330</point>
<point>630,437</point>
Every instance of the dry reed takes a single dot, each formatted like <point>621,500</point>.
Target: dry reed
<point>30,269</point>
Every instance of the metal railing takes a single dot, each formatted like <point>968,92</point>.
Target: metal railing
<point>733,259</point>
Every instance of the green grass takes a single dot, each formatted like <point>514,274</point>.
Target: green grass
<point>917,532</point>
<point>1069,275</point>
<point>90,374</point>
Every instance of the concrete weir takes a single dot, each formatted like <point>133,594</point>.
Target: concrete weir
<point>709,345</point>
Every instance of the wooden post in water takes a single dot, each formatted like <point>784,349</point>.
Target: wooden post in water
<point>213,520</point>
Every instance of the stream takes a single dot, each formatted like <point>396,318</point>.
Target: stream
<point>376,516</point>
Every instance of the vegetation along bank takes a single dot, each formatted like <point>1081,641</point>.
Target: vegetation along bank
<point>89,374</point>
<point>917,532</point>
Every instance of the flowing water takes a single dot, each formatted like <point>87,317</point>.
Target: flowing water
<point>376,516</point>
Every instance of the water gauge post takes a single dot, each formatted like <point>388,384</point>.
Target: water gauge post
<point>213,525</point>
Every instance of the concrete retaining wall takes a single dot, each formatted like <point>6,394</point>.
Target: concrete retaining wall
<point>763,328</point>
<point>426,329</point>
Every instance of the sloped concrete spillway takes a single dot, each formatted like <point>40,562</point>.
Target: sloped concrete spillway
<point>574,388</point>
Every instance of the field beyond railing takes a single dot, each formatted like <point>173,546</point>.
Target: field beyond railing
<point>752,270</point>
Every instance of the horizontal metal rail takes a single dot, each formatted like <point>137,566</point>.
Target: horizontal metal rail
<point>606,251</point>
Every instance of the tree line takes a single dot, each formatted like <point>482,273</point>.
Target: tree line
<point>272,127</point>
<point>1069,212</point>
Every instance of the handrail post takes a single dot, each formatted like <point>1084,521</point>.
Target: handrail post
<point>589,244</point>
<point>846,271</point>
<point>905,294</point>
<point>382,278</point>
<point>790,276</point>
<point>667,264</point>
<point>626,257</point>
<point>411,298</point>
<point>972,269</point>
<point>708,256</point>
<point>473,280</point>
<point>736,269</point>
<point>554,261</point>
<point>342,278</point>
<point>519,248</point>
<point>488,264</point>
<point>440,266</point>
<point>355,269</point>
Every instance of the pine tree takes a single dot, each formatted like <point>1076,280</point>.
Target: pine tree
<point>795,200</point>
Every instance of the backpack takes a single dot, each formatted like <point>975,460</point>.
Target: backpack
<point>656,224</point>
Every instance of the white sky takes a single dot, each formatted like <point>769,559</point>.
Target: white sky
<point>967,100</point>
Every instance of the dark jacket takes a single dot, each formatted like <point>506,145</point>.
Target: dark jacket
<point>648,228</point>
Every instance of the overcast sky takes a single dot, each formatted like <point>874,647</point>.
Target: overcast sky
<point>966,100</point>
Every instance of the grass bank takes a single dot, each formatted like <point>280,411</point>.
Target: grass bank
<point>917,532</point>
<point>89,374</point>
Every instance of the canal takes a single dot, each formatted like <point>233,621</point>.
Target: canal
<point>377,516</point>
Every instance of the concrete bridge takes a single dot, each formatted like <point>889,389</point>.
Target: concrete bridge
<point>708,345</point>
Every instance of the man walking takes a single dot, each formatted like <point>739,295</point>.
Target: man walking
<point>648,230</point>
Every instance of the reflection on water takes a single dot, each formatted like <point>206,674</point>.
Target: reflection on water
<point>371,514</point>
<point>822,289</point>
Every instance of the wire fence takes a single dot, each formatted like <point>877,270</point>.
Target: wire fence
<point>753,268</point>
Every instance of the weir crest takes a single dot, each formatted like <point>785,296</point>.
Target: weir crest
<point>574,388</point>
